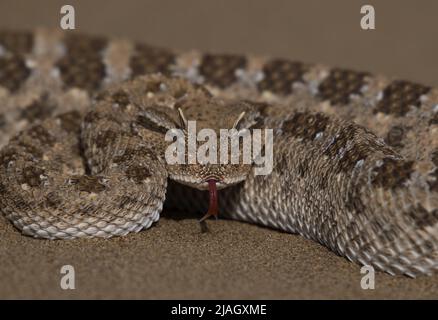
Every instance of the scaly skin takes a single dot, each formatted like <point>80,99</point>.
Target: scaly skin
<point>355,155</point>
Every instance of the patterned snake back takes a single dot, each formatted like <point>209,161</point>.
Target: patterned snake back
<point>81,132</point>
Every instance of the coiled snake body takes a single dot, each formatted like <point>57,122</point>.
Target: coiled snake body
<point>83,119</point>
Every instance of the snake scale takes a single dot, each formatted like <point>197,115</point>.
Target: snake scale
<point>82,123</point>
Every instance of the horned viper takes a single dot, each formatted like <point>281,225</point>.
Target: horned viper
<point>83,118</point>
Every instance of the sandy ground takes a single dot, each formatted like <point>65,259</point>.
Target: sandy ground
<point>234,260</point>
<point>175,260</point>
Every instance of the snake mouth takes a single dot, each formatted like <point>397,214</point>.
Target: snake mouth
<point>213,209</point>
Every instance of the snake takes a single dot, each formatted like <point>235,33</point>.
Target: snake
<point>83,124</point>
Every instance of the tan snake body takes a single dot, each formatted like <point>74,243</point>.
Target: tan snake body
<point>82,122</point>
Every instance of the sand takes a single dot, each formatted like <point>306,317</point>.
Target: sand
<point>234,260</point>
<point>175,260</point>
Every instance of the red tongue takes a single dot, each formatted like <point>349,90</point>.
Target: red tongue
<point>213,208</point>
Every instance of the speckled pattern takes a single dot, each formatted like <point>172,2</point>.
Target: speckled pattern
<point>354,154</point>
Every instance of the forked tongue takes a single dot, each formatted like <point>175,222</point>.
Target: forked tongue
<point>213,207</point>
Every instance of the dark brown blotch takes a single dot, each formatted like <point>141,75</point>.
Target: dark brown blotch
<point>306,125</point>
<point>105,138</point>
<point>53,200</point>
<point>147,60</point>
<point>220,69</point>
<point>85,43</point>
<point>20,42</point>
<point>303,168</point>
<point>13,72</point>
<point>121,98</point>
<point>41,134</point>
<point>392,173</point>
<point>280,75</point>
<point>20,203</point>
<point>92,117</point>
<point>354,202</point>
<point>85,73</point>
<point>90,184</point>
<point>127,201</point>
<point>281,162</point>
<point>3,188</point>
<point>32,175</point>
<point>82,66</point>
<point>38,110</point>
<point>421,217</point>
<point>138,173</point>
<point>340,85</point>
<point>71,121</point>
<point>399,96</point>
<point>8,154</point>
<point>31,149</point>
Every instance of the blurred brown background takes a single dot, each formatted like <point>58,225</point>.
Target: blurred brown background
<point>236,260</point>
<point>403,45</point>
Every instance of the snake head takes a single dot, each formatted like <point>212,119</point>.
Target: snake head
<point>209,143</point>
<point>213,142</point>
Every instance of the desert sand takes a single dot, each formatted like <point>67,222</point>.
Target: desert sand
<point>174,260</point>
